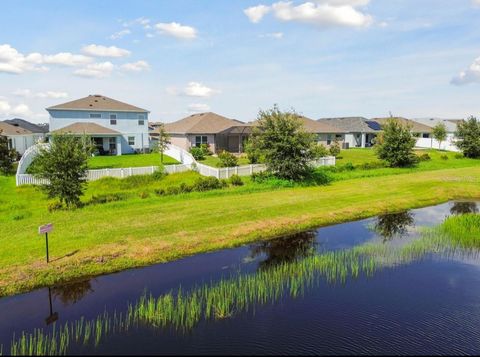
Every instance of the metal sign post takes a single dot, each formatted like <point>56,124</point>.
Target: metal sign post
<point>45,230</point>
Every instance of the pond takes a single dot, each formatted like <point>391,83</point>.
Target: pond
<point>376,286</point>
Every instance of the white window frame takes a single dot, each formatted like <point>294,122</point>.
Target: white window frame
<point>141,122</point>
<point>131,139</point>
<point>200,142</point>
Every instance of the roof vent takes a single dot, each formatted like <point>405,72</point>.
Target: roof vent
<point>91,105</point>
<point>97,95</point>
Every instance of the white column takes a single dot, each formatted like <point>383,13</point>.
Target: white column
<point>364,140</point>
<point>119,146</point>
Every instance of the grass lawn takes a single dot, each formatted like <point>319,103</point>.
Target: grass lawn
<point>214,161</point>
<point>145,228</point>
<point>125,161</point>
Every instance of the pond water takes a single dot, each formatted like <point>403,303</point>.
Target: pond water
<point>428,304</point>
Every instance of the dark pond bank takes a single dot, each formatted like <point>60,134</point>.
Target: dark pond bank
<point>427,306</point>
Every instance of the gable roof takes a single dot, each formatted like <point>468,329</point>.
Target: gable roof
<point>416,127</point>
<point>203,123</point>
<point>86,129</point>
<point>98,102</point>
<point>34,128</point>
<point>351,124</point>
<point>316,127</point>
<point>450,124</point>
<point>10,130</point>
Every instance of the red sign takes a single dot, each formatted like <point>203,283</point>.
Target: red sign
<point>45,229</point>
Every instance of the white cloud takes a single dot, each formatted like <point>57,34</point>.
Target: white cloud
<point>275,35</point>
<point>14,62</point>
<point>470,75</point>
<point>177,30</point>
<point>198,108</point>
<point>476,2</point>
<point>196,89</point>
<point>66,59</point>
<point>27,93</point>
<point>136,66</point>
<point>6,109</point>
<point>103,51</point>
<point>256,13</point>
<point>120,34</point>
<point>96,70</point>
<point>323,13</point>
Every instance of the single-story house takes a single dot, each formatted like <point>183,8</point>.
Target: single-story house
<point>217,131</point>
<point>326,133</point>
<point>451,128</point>
<point>359,132</point>
<point>19,138</point>
<point>116,127</point>
<point>421,130</point>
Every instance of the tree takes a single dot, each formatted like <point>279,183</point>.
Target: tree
<point>252,150</point>
<point>395,145</point>
<point>64,164</point>
<point>440,133</point>
<point>163,141</point>
<point>286,147</point>
<point>7,156</point>
<point>468,134</point>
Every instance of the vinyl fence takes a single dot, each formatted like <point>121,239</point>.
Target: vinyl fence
<point>204,170</point>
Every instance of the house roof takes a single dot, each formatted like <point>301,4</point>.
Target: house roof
<point>416,127</point>
<point>86,129</point>
<point>203,123</point>
<point>97,102</point>
<point>10,130</point>
<point>34,128</point>
<point>350,124</point>
<point>450,124</point>
<point>315,126</point>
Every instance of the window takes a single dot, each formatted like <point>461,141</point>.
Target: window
<point>338,136</point>
<point>329,139</point>
<point>131,140</point>
<point>113,121</point>
<point>141,122</point>
<point>141,116</point>
<point>10,144</point>
<point>113,116</point>
<point>199,140</point>
<point>425,135</point>
<point>95,116</point>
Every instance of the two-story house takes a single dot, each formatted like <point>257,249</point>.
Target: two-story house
<point>116,128</point>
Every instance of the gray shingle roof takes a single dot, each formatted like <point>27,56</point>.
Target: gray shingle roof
<point>350,124</point>
<point>204,123</point>
<point>86,129</point>
<point>34,128</point>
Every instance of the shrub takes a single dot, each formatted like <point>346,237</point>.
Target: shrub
<point>236,180</point>
<point>335,148</point>
<point>173,190</point>
<point>349,166</point>
<point>7,156</point>
<point>459,156</point>
<point>197,153</point>
<point>252,150</point>
<point>206,184</point>
<point>424,157</point>
<point>184,188</point>
<point>206,149</point>
<point>101,199</point>
<point>160,192</point>
<point>260,177</point>
<point>371,165</point>
<point>319,177</point>
<point>55,206</point>
<point>143,195</point>
<point>319,150</point>
<point>227,159</point>
<point>159,174</point>
<point>444,157</point>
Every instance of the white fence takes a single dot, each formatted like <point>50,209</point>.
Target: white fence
<point>430,143</point>
<point>188,163</point>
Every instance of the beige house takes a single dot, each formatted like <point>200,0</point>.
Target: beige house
<point>218,132</point>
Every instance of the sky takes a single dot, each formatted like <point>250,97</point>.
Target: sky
<point>322,58</point>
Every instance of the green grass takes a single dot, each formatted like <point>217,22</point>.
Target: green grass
<point>125,161</point>
<point>215,161</point>
<point>144,229</point>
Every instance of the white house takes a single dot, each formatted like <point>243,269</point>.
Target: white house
<point>19,138</point>
<point>450,126</point>
<point>117,128</point>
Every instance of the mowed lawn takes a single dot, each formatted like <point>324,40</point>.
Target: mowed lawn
<point>215,161</point>
<point>145,228</point>
<point>125,161</point>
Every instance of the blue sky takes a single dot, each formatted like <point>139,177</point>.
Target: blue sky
<point>415,58</point>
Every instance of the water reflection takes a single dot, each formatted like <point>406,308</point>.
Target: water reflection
<point>70,294</point>
<point>393,225</point>
<point>459,208</point>
<point>285,249</point>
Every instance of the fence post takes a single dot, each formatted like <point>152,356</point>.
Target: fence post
<point>174,168</point>
<point>251,169</point>
<point>236,170</point>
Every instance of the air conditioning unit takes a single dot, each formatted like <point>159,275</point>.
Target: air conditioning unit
<point>346,146</point>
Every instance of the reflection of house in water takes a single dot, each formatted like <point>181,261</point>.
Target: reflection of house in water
<point>393,225</point>
<point>285,249</point>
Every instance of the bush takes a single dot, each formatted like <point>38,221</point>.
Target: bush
<point>319,150</point>
<point>236,180</point>
<point>160,192</point>
<point>260,177</point>
<point>55,206</point>
<point>424,157</point>
<point>459,156</point>
<point>444,157</point>
<point>197,153</point>
<point>319,177</point>
<point>173,190</point>
<point>207,184</point>
<point>206,149</point>
<point>159,174</point>
<point>349,166</point>
<point>371,165</point>
<point>184,188</point>
<point>143,195</point>
<point>101,199</point>
<point>335,148</point>
<point>227,159</point>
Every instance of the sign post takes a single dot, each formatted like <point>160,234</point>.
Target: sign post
<point>45,230</point>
